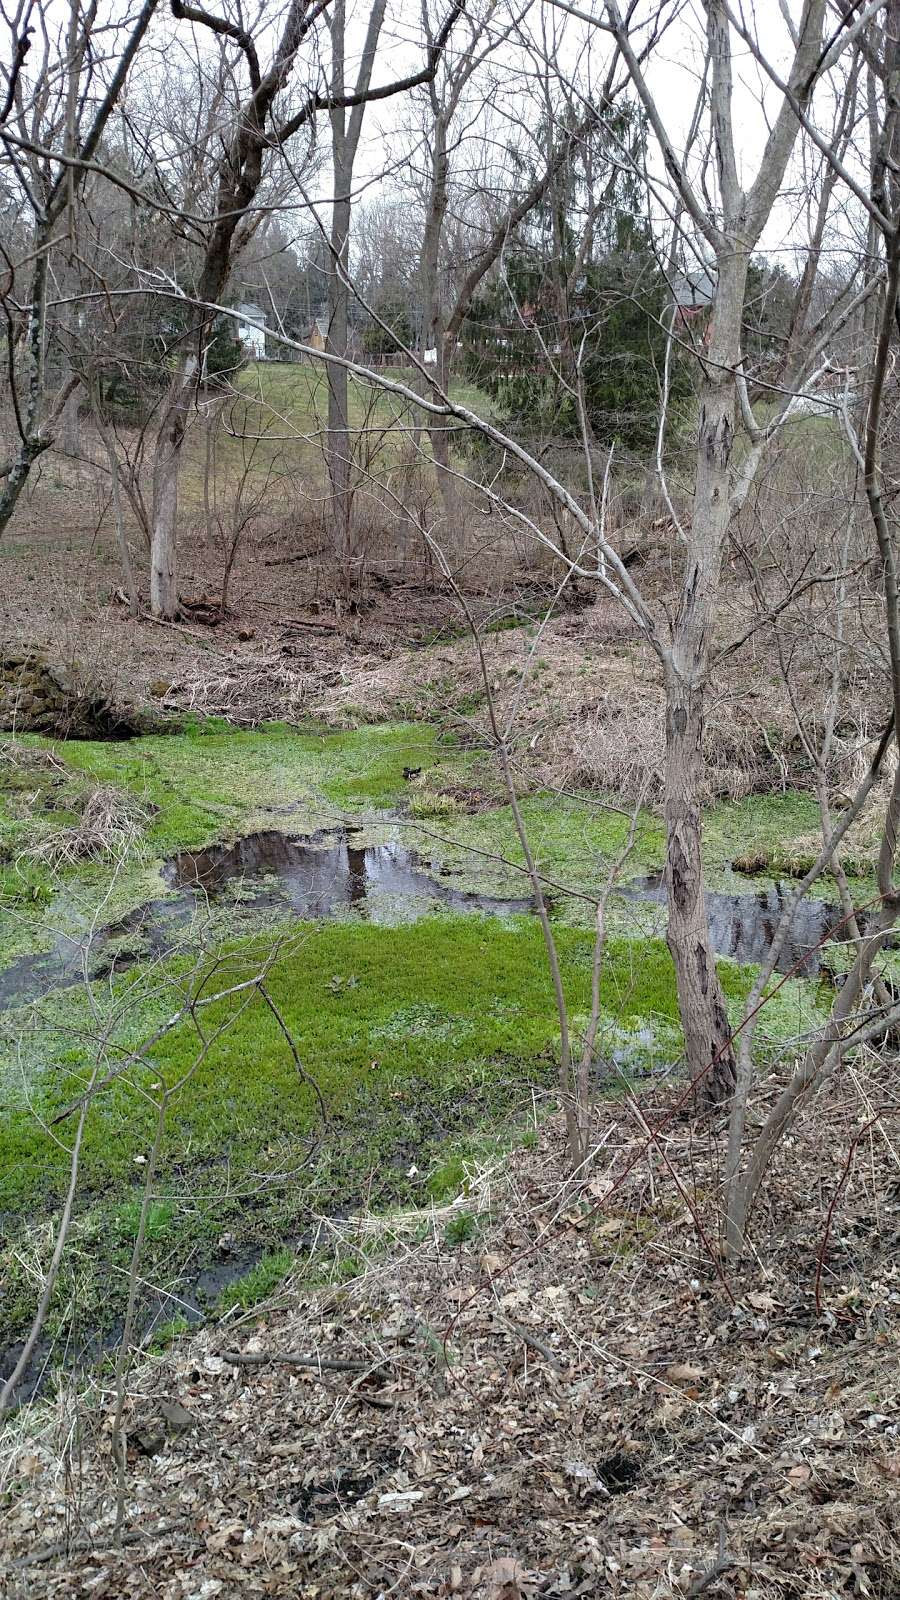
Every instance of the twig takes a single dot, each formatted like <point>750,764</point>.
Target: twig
<point>295,1358</point>
<point>826,1235</point>
<point>49,1552</point>
<point>303,1075</point>
<point>722,1563</point>
<point>529,1339</point>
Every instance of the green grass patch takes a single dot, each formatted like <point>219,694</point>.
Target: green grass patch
<point>259,1282</point>
<point>197,787</point>
<point>460,1229</point>
<point>483,1005</point>
<point>282,409</point>
<point>573,842</point>
<point>157,1223</point>
<point>210,786</point>
<point>442,1029</point>
<point>760,827</point>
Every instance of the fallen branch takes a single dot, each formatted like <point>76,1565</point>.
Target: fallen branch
<point>313,622</point>
<point>295,1358</point>
<point>49,1552</point>
<point>530,1339</point>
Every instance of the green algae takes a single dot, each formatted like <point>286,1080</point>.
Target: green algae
<point>416,1035</point>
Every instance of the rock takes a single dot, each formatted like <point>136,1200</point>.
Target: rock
<point>37,697</point>
<point>176,1417</point>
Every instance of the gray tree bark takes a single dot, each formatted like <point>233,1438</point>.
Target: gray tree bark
<point>345,134</point>
<point>742,217</point>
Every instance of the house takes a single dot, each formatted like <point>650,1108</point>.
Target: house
<point>317,336</point>
<point>693,292</point>
<point>251,329</point>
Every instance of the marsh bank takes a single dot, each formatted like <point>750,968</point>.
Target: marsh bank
<point>376,878</point>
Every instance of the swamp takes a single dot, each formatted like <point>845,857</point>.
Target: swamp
<point>449,800</point>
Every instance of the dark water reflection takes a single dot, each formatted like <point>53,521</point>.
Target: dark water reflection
<point>743,926</point>
<point>324,876</point>
<point>321,877</point>
<point>334,873</point>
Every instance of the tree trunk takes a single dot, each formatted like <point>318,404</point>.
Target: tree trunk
<point>29,381</point>
<point>115,474</point>
<point>345,134</point>
<point>707,1035</point>
<point>166,465</point>
<point>69,431</point>
<point>338,385</point>
<point>164,539</point>
<point>432,334</point>
<point>440,447</point>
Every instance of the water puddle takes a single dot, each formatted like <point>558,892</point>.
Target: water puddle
<point>330,874</point>
<point>335,873</point>
<point>743,926</point>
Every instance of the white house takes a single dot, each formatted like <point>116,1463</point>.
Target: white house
<point>252,338</point>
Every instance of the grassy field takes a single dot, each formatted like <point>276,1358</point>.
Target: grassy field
<point>275,430</point>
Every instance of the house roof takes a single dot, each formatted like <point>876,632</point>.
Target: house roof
<point>250,311</point>
<point>694,287</point>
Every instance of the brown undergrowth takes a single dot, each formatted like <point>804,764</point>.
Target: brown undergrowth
<point>560,1397</point>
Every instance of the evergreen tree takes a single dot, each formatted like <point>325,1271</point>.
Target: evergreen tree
<point>582,294</point>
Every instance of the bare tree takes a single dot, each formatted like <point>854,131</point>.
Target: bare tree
<point>731,229</point>
<point>53,119</point>
<point>241,168</point>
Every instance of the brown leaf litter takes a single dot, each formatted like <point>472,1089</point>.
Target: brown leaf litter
<point>568,1404</point>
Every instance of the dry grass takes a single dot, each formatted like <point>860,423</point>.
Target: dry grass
<point>589,711</point>
<point>18,757</point>
<point>110,827</point>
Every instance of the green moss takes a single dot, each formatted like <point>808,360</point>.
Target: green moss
<point>460,1229</point>
<point>259,1282</point>
<point>483,997</point>
<point>573,841</point>
<point>228,783</point>
<point>761,826</point>
<point>197,788</point>
<point>397,1076</point>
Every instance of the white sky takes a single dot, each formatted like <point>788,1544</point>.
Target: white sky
<point>582,52</point>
